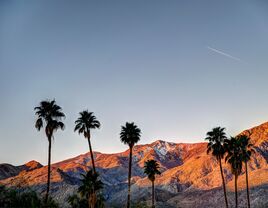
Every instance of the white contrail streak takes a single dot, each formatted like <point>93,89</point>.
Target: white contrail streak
<point>224,54</point>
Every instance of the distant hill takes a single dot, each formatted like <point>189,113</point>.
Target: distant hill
<point>7,170</point>
<point>190,177</point>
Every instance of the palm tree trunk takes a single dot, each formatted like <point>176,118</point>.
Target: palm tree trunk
<point>91,154</point>
<point>89,202</point>
<point>91,198</point>
<point>236,190</point>
<point>94,200</point>
<point>129,176</point>
<point>48,169</point>
<point>223,184</point>
<point>153,197</point>
<point>247,184</point>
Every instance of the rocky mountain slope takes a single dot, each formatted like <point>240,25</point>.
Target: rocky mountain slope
<point>190,177</point>
<point>7,170</point>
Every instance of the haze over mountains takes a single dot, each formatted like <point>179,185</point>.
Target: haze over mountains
<point>190,177</point>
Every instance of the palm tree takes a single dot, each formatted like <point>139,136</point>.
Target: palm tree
<point>49,114</point>
<point>151,168</point>
<point>74,201</point>
<point>130,135</point>
<point>215,145</point>
<point>234,158</point>
<point>83,124</point>
<point>90,186</point>
<point>247,150</point>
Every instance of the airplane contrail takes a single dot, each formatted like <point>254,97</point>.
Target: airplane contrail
<point>224,54</point>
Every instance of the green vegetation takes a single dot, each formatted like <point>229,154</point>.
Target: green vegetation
<point>140,205</point>
<point>247,150</point>
<point>76,201</point>
<point>234,158</point>
<point>50,114</point>
<point>216,139</point>
<point>130,135</point>
<point>10,198</point>
<point>151,168</point>
<point>236,151</point>
<point>89,192</point>
<point>133,205</point>
<point>83,124</point>
<point>90,188</point>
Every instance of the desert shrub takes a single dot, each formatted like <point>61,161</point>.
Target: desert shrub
<point>12,198</point>
<point>140,205</point>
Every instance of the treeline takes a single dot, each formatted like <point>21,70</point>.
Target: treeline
<point>23,198</point>
<point>236,151</point>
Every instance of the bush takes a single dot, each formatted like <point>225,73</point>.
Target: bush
<point>23,199</point>
<point>140,205</point>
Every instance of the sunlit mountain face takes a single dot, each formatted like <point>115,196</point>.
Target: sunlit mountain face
<point>189,176</point>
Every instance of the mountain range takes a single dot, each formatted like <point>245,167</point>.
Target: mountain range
<point>189,176</point>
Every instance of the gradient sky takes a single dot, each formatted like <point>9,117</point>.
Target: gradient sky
<point>176,68</point>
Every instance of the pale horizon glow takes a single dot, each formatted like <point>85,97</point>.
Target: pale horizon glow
<point>175,68</point>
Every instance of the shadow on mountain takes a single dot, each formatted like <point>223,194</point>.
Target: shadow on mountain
<point>212,198</point>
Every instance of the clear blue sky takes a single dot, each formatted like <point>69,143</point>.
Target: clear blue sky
<point>176,68</point>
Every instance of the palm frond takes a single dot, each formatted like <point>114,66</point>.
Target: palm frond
<point>151,168</point>
<point>216,138</point>
<point>235,155</point>
<point>90,184</point>
<point>130,134</point>
<point>50,113</point>
<point>85,122</point>
<point>39,124</point>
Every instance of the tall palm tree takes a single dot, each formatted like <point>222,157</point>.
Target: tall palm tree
<point>83,124</point>
<point>247,150</point>
<point>151,168</point>
<point>49,116</point>
<point>90,186</point>
<point>215,145</point>
<point>130,135</point>
<point>234,158</point>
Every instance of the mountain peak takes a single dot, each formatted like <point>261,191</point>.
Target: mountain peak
<point>162,147</point>
<point>161,142</point>
<point>31,165</point>
<point>258,134</point>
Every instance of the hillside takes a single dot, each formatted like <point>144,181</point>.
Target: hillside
<point>190,177</point>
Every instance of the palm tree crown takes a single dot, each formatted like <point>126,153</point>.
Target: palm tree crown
<point>246,147</point>
<point>85,122</point>
<point>246,151</point>
<point>50,113</point>
<point>234,158</point>
<point>90,184</point>
<point>130,134</point>
<point>234,155</point>
<point>151,168</point>
<point>216,139</point>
